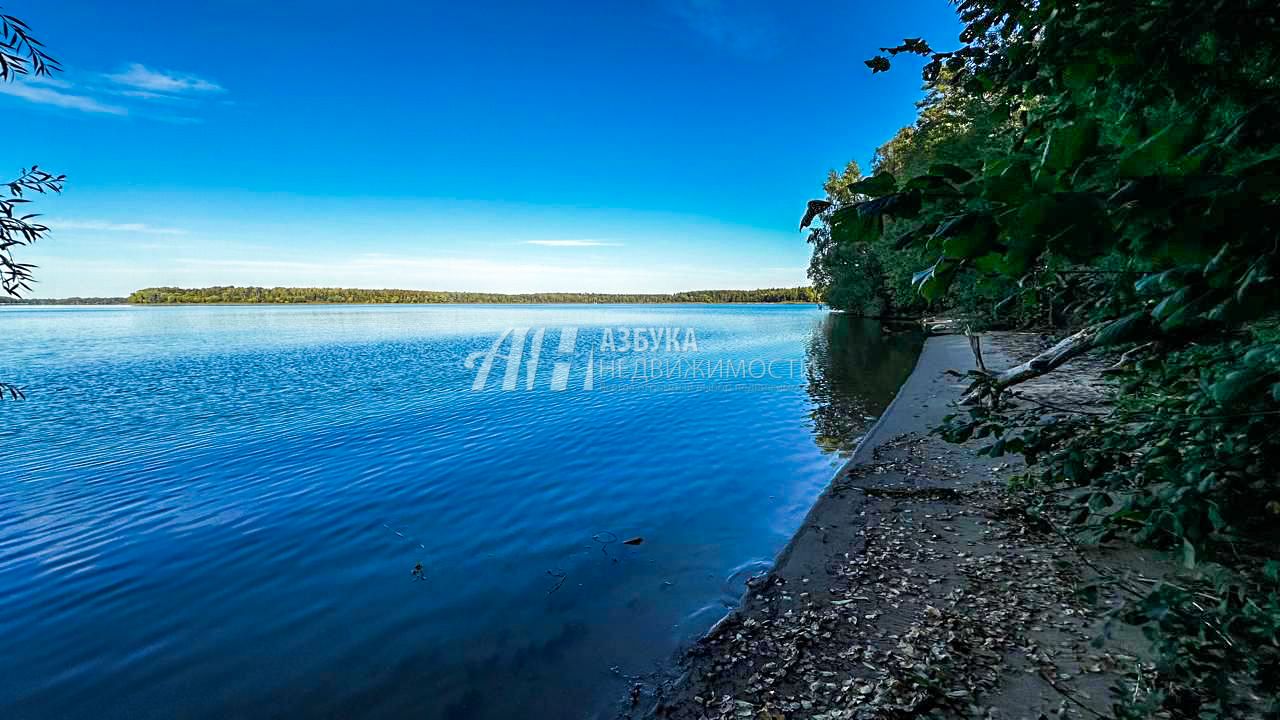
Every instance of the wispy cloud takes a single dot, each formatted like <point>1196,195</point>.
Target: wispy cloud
<point>742,27</point>
<point>572,243</point>
<point>49,80</point>
<point>121,93</point>
<point>147,83</point>
<point>107,226</point>
<point>49,96</point>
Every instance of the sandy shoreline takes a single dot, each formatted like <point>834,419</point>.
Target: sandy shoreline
<point>922,401</point>
<point>916,584</point>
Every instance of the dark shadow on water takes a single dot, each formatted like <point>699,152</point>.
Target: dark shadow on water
<point>855,367</point>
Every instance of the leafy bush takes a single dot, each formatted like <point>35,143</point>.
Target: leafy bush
<point>1121,174</point>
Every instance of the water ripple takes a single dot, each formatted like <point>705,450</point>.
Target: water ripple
<point>217,511</point>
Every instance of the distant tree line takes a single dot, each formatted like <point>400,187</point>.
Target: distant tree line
<point>290,295</point>
<point>63,301</point>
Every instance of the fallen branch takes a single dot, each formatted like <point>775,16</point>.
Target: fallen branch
<point>975,344</point>
<point>1046,362</point>
<point>925,493</point>
<point>1125,361</point>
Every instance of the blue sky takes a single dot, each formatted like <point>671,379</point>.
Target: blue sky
<point>518,146</point>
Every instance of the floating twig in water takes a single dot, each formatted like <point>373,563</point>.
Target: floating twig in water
<point>419,572</point>
<point>560,575</point>
<point>605,538</point>
<point>403,536</point>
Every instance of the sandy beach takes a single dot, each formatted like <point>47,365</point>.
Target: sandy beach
<point>919,585</point>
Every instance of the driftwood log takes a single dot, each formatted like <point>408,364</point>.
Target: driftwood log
<point>993,383</point>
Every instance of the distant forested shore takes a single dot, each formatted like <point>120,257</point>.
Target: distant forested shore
<point>64,301</point>
<point>289,295</point>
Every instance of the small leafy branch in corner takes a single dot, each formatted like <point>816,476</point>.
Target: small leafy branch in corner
<point>19,230</point>
<point>21,54</point>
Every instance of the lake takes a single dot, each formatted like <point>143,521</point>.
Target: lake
<point>389,511</point>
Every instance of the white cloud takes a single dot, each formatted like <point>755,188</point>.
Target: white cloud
<point>107,226</point>
<point>49,80</point>
<point>571,243</point>
<point>146,95</point>
<point>137,82</point>
<point>148,83</point>
<point>49,96</point>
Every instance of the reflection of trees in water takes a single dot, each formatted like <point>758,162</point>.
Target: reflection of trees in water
<point>854,368</point>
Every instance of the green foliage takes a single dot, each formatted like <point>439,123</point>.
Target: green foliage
<point>1199,672</point>
<point>21,54</point>
<point>845,269</point>
<point>19,229</point>
<point>257,295</point>
<point>1118,164</point>
<point>1184,462</point>
<point>859,262</point>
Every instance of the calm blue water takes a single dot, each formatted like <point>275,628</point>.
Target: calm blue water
<point>213,512</point>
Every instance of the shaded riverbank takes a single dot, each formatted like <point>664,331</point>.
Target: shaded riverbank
<point>919,584</point>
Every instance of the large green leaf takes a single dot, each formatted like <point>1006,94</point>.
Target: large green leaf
<point>1079,76</point>
<point>932,186</point>
<point>900,205</point>
<point>1007,182</point>
<point>952,172</point>
<point>1236,385</point>
<point>1171,304</point>
<point>1068,144</point>
<point>1166,281</point>
<point>968,235</point>
<point>934,282</point>
<point>1125,329</point>
<point>881,183</point>
<point>992,262</point>
<point>1079,225</point>
<point>850,225</point>
<point>1154,154</point>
